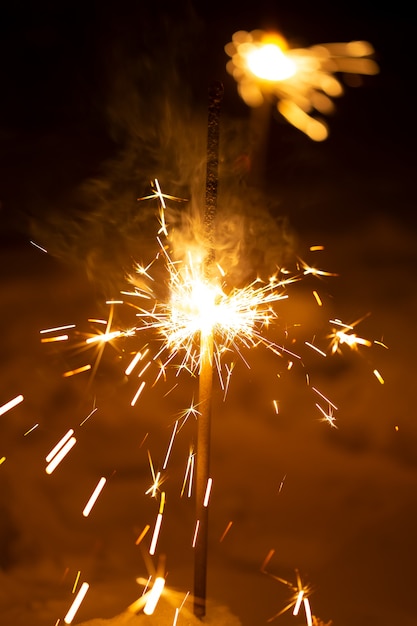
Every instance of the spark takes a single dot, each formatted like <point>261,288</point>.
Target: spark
<point>317,298</point>
<point>55,338</point>
<point>196,529</point>
<point>174,432</point>
<point>226,530</point>
<point>58,453</point>
<point>94,496</point>
<point>188,412</point>
<point>31,429</point>
<point>89,415</point>
<point>11,404</point>
<point>38,247</point>
<point>142,534</point>
<point>56,329</point>
<point>189,473</point>
<point>276,406</point>
<point>301,82</point>
<point>310,345</point>
<point>133,363</point>
<point>327,417</point>
<point>197,306</point>
<point>281,485</point>
<point>76,603</point>
<point>378,377</point>
<point>178,610</point>
<point>154,488</point>
<point>2,460</point>
<point>77,578</point>
<point>157,525</point>
<point>207,493</point>
<point>300,591</point>
<point>59,445</point>
<point>154,595</point>
<point>343,335</point>
<point>137,394</point>
<point>324,397</point>
<point>78,370</point>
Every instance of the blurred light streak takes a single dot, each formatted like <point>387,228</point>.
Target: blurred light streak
<point>378,377</point>
<point>196,529</point>
<point>174,431</point>
<point>142,535</point>
<point>11,404</point>
<point>94,496</point>
<point>60,455</point>
<point>207,493</point>
<point>59,445</point>
<point>137,394</point>
<point>158,523</point>
<point>78,370</point>
<point>76,603</point>
<point>154,595</point>
<point>226,530</point>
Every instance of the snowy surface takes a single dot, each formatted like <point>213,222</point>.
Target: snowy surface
<point>337,504</point>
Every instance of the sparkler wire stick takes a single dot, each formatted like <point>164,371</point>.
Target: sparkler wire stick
<point>206,362</point>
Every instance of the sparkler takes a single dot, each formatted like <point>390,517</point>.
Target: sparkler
<point>300,80</point>
<point>204,319</point>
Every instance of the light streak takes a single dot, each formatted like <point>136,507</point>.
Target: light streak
<point>324,397</point>
<point>317,298</point>
<point>59,445</point>
<point>78,370</point>
<point>137,394</point>
<point>276,406</point>
<point>142,535</point>
<point>196,529</point>
<point>36,245</point>
<point>60,455</point>
<point>154,488</point>
<point>226,530</point>
<point>2,460</point>
<point>89,415</point>
<point>53,339</point>
<point>189,473</point>
<point>300,592</point>
<point>281,485</point>
<point>327,417</point>
<point>378,377</point>
<point>158,523</point>
<point>207,493</point>
<point>307,610</point>
<point>56,329</point>
<point>133,363</point>
<point>77,578</point>
<point>298,602</point>
<point>174,431</point>
<point>154,595</point>
<point>313,347</point>
<point>345,336</point>
<point>30,430</point>
<point>178,610</point>
<point>11,404</point>
<point>76,603</point>
<point>94,496</point>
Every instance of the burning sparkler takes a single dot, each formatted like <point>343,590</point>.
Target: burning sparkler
<point>300,80</point>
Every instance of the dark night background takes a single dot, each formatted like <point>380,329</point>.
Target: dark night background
<point>83,87</point>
